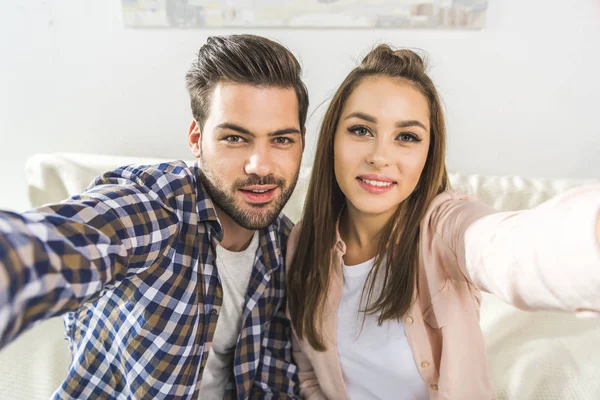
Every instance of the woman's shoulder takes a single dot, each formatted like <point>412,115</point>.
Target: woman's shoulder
<point>451,196</point>
<point>292,241</point>
<point>295,233</point>
<point>452,211</point>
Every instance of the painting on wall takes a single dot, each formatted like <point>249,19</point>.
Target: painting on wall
<point>419,14</point>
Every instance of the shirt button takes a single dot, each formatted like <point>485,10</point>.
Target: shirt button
<point>214,311</point>
<point>425,364</point>
<point>409,320</point>
<point>433,386</point>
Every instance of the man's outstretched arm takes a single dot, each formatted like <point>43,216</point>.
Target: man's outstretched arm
<point>55,258</point>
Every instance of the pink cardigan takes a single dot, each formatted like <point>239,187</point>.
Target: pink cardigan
<point>544,258</point>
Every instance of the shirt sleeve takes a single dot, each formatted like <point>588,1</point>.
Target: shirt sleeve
<point>547,257</point>
<point>308,384</point>
<point>55,258</point>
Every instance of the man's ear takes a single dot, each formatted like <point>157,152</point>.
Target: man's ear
<point>194,137</point>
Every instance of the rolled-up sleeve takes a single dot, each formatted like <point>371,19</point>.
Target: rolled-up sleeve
<point>547,257</point>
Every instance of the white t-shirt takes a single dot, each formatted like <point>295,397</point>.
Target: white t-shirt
<point>234,269</point>
<point>376,361</point>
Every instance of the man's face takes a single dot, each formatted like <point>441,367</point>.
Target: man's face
<point>249,151</point>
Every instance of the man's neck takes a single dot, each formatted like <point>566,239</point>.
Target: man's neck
<point>235,237</point>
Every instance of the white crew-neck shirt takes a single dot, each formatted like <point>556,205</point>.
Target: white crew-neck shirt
<point>376,361</point>
<point>234,269</point>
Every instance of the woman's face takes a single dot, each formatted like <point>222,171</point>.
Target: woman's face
<point>381,144</point>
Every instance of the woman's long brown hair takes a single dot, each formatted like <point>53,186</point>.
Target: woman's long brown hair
<point>396,263</point>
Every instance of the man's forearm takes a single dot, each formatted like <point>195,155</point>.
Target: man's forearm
<point>43,262</point>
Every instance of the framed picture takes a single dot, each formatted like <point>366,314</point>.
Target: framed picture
<point>420,14</point>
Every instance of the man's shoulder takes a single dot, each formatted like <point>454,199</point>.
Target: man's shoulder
<point>166,179</point>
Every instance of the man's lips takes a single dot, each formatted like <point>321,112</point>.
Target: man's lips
<point>259,187</point>
<point>259,193</point>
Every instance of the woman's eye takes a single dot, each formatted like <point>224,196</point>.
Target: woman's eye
<point>359,131</point>
<point>408,137</point>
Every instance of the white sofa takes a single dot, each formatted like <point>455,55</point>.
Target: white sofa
<point>531,356</point>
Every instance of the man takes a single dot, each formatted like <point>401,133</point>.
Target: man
<point>172,276</point>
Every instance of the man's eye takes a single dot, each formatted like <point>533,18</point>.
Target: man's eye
<point>283,140</point>
<point>234,139</point>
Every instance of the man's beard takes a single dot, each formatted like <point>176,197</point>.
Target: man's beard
<point>226,199</point>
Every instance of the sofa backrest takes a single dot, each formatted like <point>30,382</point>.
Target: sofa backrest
<point>57,176</point>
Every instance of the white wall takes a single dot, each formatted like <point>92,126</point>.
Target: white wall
<point>523,95</point>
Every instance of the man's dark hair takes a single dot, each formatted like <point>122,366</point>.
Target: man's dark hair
<point>245,59</point>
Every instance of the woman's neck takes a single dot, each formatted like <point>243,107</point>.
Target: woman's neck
<point>361,232</point>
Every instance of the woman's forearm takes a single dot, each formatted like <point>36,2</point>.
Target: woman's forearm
<point>542,258</point>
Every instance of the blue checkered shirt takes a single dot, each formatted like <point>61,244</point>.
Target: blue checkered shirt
<point>131,264</point>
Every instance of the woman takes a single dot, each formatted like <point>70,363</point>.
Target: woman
<point>386,268</point>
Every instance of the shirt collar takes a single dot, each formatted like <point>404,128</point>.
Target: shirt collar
<point>205,207</point>
<point>340,245</point>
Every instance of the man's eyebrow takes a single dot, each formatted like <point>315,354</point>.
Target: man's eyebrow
<point>399,124</point>
<point>237,128</point>
<point>234,127</point>
<point>286,131</point>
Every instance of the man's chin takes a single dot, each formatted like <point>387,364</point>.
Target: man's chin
<point>256,216</point>
<point>254,225</point>
<point>260,206</point>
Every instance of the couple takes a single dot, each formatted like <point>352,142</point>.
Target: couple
<point>185,282</point>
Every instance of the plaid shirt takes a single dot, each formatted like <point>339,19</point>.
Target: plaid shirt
<point>132,263</point>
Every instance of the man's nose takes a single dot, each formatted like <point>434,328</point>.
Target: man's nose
<point>260,163</point>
